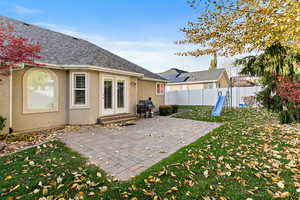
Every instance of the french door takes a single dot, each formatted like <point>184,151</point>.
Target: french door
<point>114,95</point>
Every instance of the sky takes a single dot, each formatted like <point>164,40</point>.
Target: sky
<point>141,31</point>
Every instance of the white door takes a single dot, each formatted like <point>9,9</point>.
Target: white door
<point>121,95</point>
<point>114,95</point>
<point>108,96</point>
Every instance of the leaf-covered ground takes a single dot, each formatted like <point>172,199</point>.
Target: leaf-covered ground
<point>249,157</point>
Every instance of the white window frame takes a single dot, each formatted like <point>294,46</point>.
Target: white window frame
<point>158,83</point>
<point>27,110</point>
<point>72,89</point>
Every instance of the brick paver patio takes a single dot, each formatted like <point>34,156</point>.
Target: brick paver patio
<point>124,152</point>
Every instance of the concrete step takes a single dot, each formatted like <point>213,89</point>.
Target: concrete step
<point>117,121</point>
<point>118,118</point>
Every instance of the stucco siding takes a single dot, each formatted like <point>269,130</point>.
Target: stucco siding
<point>66,114</point>
<point>4,100</point>
<point>147,89</point>
<point>30,121</point>
<point>87,115</point>
<point>133,94</point>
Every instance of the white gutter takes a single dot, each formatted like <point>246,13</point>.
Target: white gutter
<point>153,79</point>
<point>193,82</point>
<point>93,68</point>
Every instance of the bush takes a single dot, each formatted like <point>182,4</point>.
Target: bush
<point>289,116</point>
<point>165,110</point>
<point>2,123</point>
<point>174,108</point>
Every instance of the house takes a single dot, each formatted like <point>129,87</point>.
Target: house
<point>77,83</point>
<point>238,79</point>
<point>183,80</point>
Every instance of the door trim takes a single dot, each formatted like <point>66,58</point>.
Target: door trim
<point>114,110</point>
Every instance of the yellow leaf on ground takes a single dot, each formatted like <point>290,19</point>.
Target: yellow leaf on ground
<point>8,178</point>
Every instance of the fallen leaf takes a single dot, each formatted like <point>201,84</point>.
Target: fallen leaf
<point>8,178</point>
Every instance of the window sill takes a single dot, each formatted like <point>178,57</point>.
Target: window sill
<point>25,112</point>
<point>79,107</point>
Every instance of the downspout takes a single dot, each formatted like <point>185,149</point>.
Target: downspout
<point>10,101</point>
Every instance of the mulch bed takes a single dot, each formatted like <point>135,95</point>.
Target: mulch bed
<point>19,141</point>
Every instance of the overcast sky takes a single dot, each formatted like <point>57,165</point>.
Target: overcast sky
<point>141,31</point>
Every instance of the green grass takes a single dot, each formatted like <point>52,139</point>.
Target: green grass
<point>203,113</point>
<point>244,158</point>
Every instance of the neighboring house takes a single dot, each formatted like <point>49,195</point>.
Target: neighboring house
<point>245,82</point>
<point>183,80</point>
<point>78,83</point>
<point>241,80</point>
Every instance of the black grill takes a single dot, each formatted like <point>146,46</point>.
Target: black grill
<point>144,107</point>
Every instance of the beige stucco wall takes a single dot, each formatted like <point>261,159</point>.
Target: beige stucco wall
<point>4,100</point>
<point>137,90</point>
<point>23,121</point>
<point>133,94</point>
<point>86,115</point>
<point>147,89</point>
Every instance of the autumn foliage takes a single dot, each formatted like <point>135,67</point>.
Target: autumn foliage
<point>289,91</point>
<point>232,27</point>
<point>15,50</point>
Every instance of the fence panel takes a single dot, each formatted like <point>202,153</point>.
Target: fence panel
<point>209,96</point>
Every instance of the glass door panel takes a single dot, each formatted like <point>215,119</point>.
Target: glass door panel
<point>120,94</point>
<point>108,94</point>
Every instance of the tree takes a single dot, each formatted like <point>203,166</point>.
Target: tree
<point>289,91</point>
<point>15,50</point>
<point>280,77</point>
<point>213,62</point>
<point>232,27</point>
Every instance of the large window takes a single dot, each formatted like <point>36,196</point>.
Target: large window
<point>79,89</point>
<point>160,88</point>
<point>40,91</point>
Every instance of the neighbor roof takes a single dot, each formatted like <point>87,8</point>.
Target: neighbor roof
<point>61,49</point>
<point>176,76</point>
<point>207,75</point>
<point>172,74</point>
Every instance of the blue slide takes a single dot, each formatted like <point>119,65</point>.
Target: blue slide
<point>219,105</point>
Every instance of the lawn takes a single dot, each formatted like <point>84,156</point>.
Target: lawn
<point>248,157</point>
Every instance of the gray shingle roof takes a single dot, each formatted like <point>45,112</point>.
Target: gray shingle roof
<point>175,75</point>
<point>61,49</point>
<point>172,75</point>
<point>207,75</point>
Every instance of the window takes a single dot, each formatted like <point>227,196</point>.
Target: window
<point>121,89</point>
<point>160,88</point>
<point>108,94</point>
<point>79,89</point>
<point>40,92</point>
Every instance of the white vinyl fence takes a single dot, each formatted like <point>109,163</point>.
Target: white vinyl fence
<point>209,96</point>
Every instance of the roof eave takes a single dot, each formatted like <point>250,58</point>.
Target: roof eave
<point>153,79</point>
<point>193,82</point>
<point>92,68</point>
